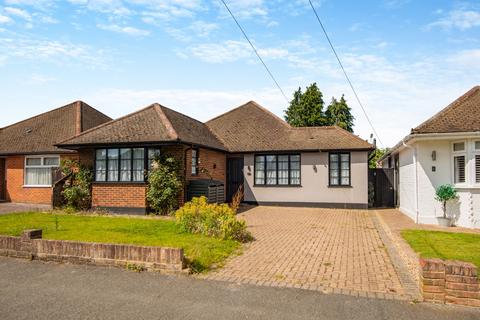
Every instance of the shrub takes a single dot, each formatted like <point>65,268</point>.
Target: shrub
<point>77,189</point>
<point>237,199</point>
<point>214,220</point>
<point>445,193</point>
<point>164,184</point>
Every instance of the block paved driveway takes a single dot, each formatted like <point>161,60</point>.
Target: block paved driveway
<point>329,250</point>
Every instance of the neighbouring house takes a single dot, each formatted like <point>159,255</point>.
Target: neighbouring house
<point>29,159</point>
<point>445,149</point>
<point>276,163</point>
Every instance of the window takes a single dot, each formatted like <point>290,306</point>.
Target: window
<point>125,165</point>
<point>459,162</point>
<point>477,161</point>
<point>152,154</point>
<point>339,169</point>
<point>194,162</point>
<point>281,169</point>
<point>38,170</point>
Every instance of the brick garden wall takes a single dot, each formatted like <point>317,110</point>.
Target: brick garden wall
<point>452,282</point>
<point>30,245</point>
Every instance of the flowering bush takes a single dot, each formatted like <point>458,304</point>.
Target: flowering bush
<point>211,219</point>
<point>164,184</point>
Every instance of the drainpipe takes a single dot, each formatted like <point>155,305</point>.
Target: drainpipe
<point>415,167</point>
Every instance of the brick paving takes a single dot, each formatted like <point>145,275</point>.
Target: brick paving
<point>329,250</point>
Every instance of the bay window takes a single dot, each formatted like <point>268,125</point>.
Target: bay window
<point>339,169</point>
<point>122,164</point>
<point>38,170</point>
<point>277,169</point>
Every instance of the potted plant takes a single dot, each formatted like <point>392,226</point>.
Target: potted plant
<point>445,193</point>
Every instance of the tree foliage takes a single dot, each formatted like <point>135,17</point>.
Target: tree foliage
<point>307,110</point>
<point>339,114</point>
<point>164,184</point>
<point>445,193</point>
<point>377,154</point>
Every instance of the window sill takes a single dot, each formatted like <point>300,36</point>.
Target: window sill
<point>35,186</point>
<point>277,185</point>
<point>339,187</point>
<point>119,182</point>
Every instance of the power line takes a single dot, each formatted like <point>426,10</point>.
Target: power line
<point>345,73</point>
<point>256,52</point>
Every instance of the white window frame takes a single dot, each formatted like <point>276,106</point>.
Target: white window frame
<point>475,152</point>
<point>41,157</point>
<point>454,154</point>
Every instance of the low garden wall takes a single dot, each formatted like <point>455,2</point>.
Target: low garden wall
<point>31,246</point>
<point>453,282</point>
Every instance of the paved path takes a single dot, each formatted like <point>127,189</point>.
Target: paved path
<point>328,250</point>
<point>8,207</point>
<point>35,290</point>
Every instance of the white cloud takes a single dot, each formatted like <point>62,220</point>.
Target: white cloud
<point>18,13</point>
<point>469,59</point>
<point>199,104</point>
<point>245,9</point>
<point>50,50</point>
<point>5,19</point>
<point>228,51</point>
<point>124,29</point>
<point>38,79</point>
<point>461,19</point>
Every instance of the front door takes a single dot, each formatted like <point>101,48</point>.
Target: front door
<point>234,176</point>
<point>3,180</point>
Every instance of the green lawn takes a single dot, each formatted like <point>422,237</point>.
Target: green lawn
<point>445,245</point>
<point>201,251</point>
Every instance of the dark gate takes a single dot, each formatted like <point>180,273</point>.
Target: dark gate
<point>3,180</point>
<point>234,176</point>
<point>381,188</point>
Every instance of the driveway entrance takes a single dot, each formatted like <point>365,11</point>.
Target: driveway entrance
<point>328,250</point>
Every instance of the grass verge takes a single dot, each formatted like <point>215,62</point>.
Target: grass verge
<point>445,245</point>
<point>200,251</point>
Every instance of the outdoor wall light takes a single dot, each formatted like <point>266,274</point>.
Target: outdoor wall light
<point>315,168</point>
<point>434,155</point>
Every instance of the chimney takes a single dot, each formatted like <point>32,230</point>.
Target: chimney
<point>78,117</point>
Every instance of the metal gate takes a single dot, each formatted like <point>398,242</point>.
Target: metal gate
<point>381,188</point>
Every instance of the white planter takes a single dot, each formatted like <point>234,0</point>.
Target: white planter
<point>444,222</point>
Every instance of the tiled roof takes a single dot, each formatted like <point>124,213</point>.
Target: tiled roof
<point>154,123</point>
<point>39,134</point>
<point>462,115</point>
<point>250,128</point>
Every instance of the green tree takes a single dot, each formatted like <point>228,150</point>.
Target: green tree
<point>377,154</point>
<point>306,109</point>
<point>164,184</point>
<point>339,114</point>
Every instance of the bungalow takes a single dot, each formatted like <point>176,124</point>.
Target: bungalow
<point>29,159</point>
<point>445,149</point>
<point>277,164</point>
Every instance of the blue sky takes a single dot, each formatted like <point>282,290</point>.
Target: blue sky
<point>407,59</point>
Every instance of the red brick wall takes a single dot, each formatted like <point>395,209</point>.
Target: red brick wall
<point>453,282</point>
<point>121,195</point>
<point>2,179</point>
<point>16,192</point>
<point>215,162</point>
